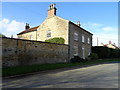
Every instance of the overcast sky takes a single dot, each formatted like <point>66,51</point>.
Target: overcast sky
<point>99,18</point>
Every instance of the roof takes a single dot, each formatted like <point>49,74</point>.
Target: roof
<point>80,28</point>
<point>35,28</point>
<point>29,30</point>
<point>112,46</point>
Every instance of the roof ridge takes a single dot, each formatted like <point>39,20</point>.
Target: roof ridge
<point>29,30</point>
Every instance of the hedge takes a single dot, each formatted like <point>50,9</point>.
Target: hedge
<point>105,52</point>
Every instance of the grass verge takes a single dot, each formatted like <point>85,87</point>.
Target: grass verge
<point>10,71</point>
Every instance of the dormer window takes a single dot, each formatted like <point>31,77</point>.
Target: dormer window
<point>49,33</point>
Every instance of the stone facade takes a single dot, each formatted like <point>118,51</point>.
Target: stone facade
<point>28,36</point>
<point>55,26</point>
<point>76,46</point>
<point>18,52</point>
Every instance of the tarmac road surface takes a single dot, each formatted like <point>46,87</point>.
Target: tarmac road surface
<point>98,76</point>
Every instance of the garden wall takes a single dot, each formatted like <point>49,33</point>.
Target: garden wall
<point>18,52</point>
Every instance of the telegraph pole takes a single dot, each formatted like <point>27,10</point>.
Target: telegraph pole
<point>97,41</point>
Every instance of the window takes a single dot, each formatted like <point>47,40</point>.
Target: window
<point>89,51</point>
<point>75,36</point>
<point>75,50</point>
<point>83,53</point>
<point>88,40</point>
<point>48,33</point>
<point>83,38</point>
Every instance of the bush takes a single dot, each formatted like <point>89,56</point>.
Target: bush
<point>119,53</point>
<point>102,52</point>
<point>76,59</point>
<point>1,35</point>
<point>105,52</point>
<point>59,40</point>
<point>115,53</point>
<point>93,56</point>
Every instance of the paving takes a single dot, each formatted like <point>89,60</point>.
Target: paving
<point>97,76</point>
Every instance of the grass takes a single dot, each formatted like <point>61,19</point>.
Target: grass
<point>10,71</point>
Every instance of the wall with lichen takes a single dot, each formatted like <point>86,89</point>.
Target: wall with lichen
<point>18,52</point>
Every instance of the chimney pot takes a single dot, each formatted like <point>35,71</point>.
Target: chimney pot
<point>78,23</point>
<point>52,10</point>
<point>50,7</point>
<point>110,42</point>
<point>54,5</point>
<point>27,26</point>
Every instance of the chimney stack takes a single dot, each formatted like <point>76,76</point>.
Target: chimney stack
<point>27,26</point>
<point>52,10</point>
<point>78,23</point>
<point>110,42</point>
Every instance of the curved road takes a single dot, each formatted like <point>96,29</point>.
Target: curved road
<point>98,76</point>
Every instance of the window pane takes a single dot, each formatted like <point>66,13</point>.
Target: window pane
<point>83,53</point>
<point>83,39</point>
<point>75,36</point>
<point>49,33</point>
<point>75,50</point>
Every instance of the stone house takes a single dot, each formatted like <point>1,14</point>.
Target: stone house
<point>78,39</point>
<point>109,45</point>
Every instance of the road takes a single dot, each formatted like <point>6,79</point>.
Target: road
<point>98,76</point>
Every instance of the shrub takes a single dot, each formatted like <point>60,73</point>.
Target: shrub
<point>119,53</point>
<point>1,35</point>
<point>115,53</point>
<point>105,52</point>
<point>102,52</point>
<point>59,40</point>
<point>93,56</point>
<point>76,59</point>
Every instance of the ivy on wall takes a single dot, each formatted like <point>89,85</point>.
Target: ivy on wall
<point>59,40</point>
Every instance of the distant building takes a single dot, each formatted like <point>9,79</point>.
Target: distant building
<point>110,45</point>
<point>78,39</point>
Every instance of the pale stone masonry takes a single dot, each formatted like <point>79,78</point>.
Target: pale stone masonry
<point>78,39</point>
<point>19,52</point>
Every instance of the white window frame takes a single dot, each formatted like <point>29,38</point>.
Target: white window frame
<point>76,36</point>
<point>83,52</point>
<point>75,50</point>
<point>49,33</point>
<point>83,38</point>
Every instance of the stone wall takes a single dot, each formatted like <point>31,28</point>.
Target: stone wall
<point>17,52</point>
